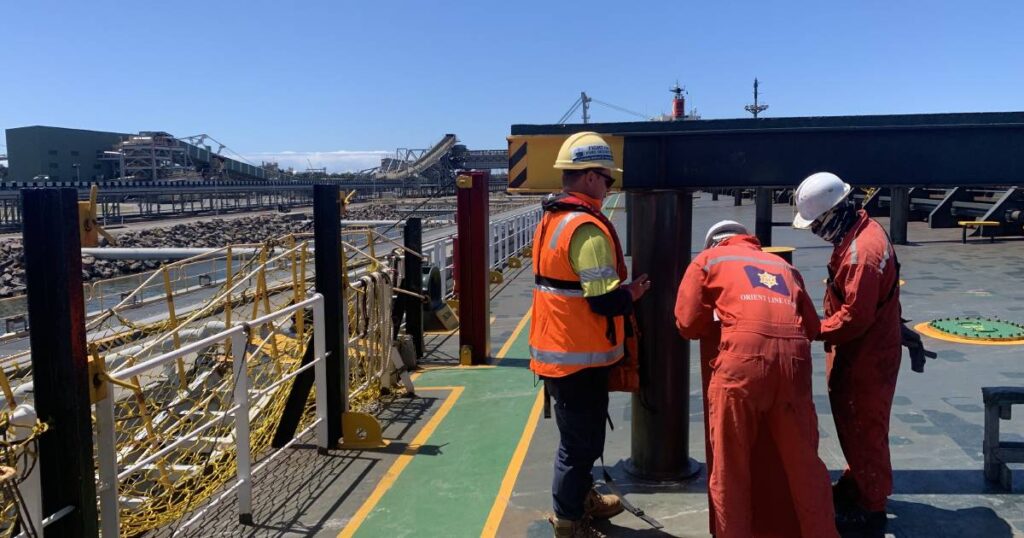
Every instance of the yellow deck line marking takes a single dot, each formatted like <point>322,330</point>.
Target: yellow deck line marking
<point>410,451</point>
<point>512,473</point>
<point>415,375</point>
<point>402,461</point>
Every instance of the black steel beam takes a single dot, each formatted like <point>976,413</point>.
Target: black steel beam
<point>922,149</point>
<point>60,369</point>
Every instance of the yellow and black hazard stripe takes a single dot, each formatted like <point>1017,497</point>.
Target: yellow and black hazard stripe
<point>517,162</point>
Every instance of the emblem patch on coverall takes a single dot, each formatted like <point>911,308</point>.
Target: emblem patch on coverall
<point>759,278</point>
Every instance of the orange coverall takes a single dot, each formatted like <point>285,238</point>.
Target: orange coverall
<point>862,338</point>
<point>760,385</point>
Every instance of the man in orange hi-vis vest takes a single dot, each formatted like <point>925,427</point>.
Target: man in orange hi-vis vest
<point>578,328</point>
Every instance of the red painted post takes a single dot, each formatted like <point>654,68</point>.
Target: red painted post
<point>472,261</point>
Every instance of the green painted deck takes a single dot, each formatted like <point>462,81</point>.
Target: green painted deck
<point>459,472</point>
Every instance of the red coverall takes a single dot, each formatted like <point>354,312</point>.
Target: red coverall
<point>760,376</point>
<point>861,331</point>
<point>774,515</point>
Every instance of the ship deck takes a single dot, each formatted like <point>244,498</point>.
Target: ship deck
<point>471,454</point>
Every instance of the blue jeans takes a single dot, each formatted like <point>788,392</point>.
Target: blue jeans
<point>581,408</point>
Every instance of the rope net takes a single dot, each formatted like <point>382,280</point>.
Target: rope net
<point>185,302</point>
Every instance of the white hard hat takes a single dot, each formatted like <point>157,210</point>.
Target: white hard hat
<point>816,195</point>
<point>722,229</point>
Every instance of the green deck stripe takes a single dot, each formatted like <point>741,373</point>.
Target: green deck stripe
<point>450,485</point>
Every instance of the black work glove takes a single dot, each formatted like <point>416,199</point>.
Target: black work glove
<point>912,341</point>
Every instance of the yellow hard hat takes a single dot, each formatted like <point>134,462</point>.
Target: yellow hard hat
<point>585,150</point>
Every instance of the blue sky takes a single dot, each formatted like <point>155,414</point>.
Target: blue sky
<point>340,82</point>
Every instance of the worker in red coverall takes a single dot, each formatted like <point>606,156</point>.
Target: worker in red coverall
<point>862,332</point>
<point>760,379</point>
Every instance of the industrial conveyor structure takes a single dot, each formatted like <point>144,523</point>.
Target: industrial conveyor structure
<point>397,169</point>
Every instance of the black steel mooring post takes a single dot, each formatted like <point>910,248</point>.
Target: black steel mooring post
<point>763,216</point>
<point>60,368</point>
<point>327,262</point>
<point>737,197</point>
<point>661,410</point>
<point>413,282</point>
<point>899,212</point>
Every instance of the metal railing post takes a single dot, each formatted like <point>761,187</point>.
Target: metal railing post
<point>106,446</point>
<point>441,259</point>
<point>320,374</point>
<point>24,418</point>
<point>244,453</point>
<point>492,245</point>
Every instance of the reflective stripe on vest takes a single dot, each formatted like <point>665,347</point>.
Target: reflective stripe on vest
<point>598,273</point>
<point>561,226</point>
<point>557,291</point>
<point>577,358</point>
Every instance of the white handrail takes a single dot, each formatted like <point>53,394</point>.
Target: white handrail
<point>507,237</point>
<point>239,336</point>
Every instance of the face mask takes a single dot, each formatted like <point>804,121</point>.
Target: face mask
<point>833,225</point>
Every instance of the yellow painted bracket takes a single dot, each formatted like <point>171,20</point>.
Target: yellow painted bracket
<point>464,181</point>
<point>361,431</point>
<point>497,277</point>
<point>89,228</point>
<point>466,355</point>
<point>97,376</point>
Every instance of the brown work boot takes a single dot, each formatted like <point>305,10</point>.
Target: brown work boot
<point>599,506</point>
<point>574,529</point>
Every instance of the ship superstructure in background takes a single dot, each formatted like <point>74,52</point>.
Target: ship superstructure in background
<point>678,106</point>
